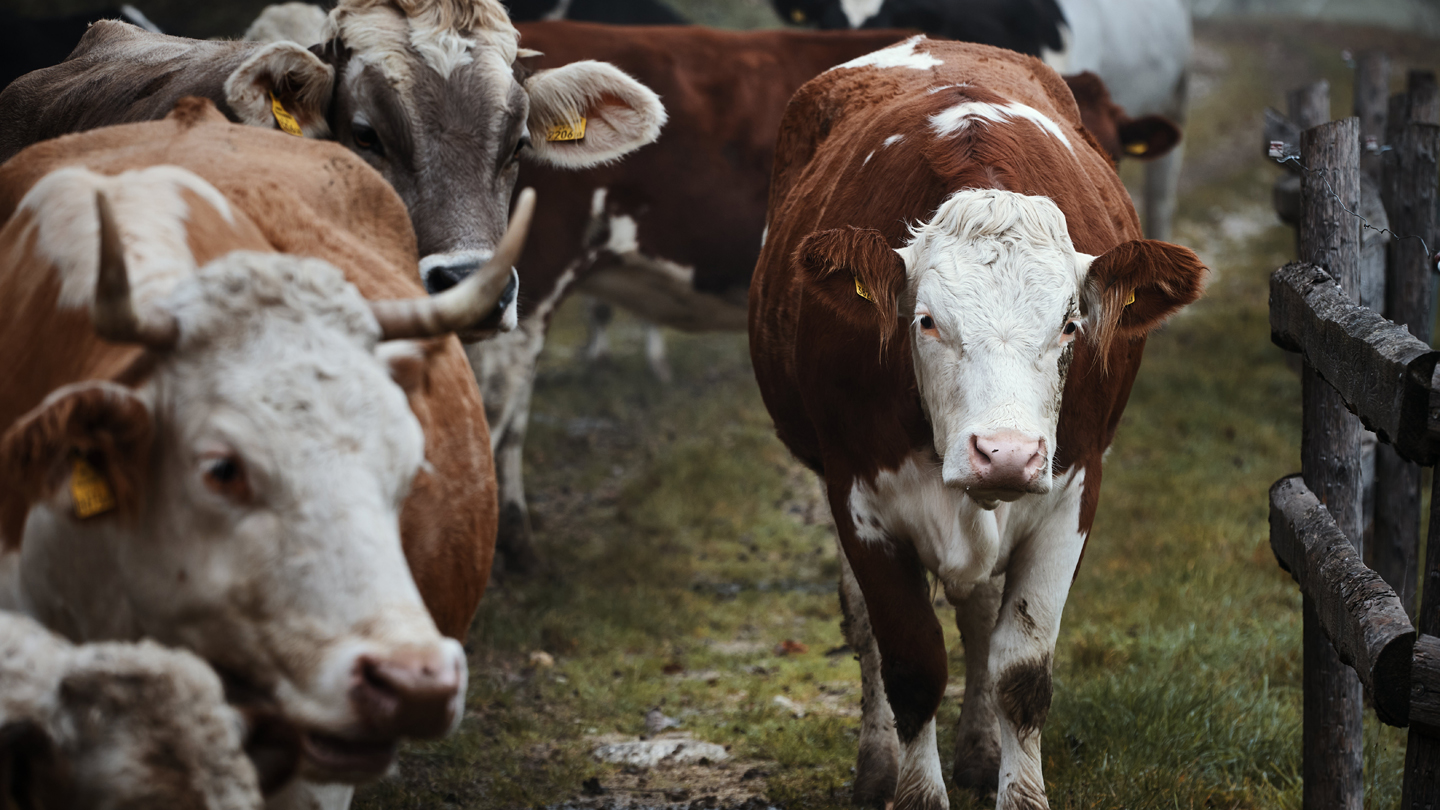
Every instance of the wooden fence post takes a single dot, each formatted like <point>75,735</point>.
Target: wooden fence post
<point>1408,189</point>
<point>1329,458</point>
<point>1372,94</point>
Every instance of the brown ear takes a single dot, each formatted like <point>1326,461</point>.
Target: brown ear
<point>855,273</point>
<point>295,77</point>
<point>105,425</point>
<point>1149,137</point>
<point>1135,286</point>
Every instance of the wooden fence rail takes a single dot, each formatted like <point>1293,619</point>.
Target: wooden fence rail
<point>1360,368</point>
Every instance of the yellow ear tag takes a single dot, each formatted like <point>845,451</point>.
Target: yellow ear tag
<point>287,122</point>
<point>90,491</point>
<point>1131,299</point>
<point>862,292</point>
<point>797,16</point>
<point>570,131</point>
<point>1137,148</point>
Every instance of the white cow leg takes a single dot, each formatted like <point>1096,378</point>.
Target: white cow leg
<point>878,764</point>
<point>1162,183</point>
<point>977,735</point>
<point>597,318</point>
<point>655,353</point>
<point>1022,650</point>
<point>303,795</point>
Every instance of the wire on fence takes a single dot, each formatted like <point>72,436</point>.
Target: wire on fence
<point>1281,155</point>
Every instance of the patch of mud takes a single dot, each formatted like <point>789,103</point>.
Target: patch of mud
<point>727,784</point>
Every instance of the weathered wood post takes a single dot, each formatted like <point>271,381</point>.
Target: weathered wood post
<point>1329,458</point>
<point>1408,188</point>
<point>1372,96</point>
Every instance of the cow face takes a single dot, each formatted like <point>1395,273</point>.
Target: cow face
<point>244,501</point>
<point>442,110</point>
<point>995,299</point>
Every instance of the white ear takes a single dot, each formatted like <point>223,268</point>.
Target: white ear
<point>1082,267</point>
<point>299,80</point>
<point>620,114</point>
<point>908,257</point>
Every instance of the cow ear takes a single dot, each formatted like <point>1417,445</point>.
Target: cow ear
<point>283,81</point>
<point>856,274</point>
<point>85,450</point>
<point>1133,287</point>
<point>1149,137</point>
<point>587,113</point>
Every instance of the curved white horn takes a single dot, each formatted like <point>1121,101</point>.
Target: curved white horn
<point>114,313</point>
<point>467,302</point>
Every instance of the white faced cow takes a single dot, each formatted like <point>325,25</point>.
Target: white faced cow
<point>945,323</point>
<point>236,488</point>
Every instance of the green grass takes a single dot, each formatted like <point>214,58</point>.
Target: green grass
<point>683,544</point>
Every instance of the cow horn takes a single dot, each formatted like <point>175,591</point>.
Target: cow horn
<point>467,302</point>
<point>113,313</point>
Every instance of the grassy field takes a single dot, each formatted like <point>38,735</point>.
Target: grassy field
<point>691,566</point>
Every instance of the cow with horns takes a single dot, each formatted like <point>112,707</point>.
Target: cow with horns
<point>218,444</point>
<point>945,323</point>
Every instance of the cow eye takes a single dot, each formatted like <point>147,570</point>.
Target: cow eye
<point>1071,327</point>
<point>366,139</point>
<point>224,474</point>
<point>520,146</point>
<point>926,322</point>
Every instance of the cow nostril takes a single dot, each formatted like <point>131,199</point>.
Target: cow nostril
<point>441,279</point>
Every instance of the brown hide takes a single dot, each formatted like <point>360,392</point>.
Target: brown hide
<point>698,193</point>
<point>305,197</point>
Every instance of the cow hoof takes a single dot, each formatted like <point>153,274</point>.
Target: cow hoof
<point>875,777</point>
<point>514,552</point>
<point>977,772</point>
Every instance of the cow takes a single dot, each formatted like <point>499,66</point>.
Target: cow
<point>28,43</point>
<point>615,12</point>
<point>1027,26</point>
<point>945,322</point>
<point>241,457</point>
<point>1140,48</point>
<point>672,232</point>
<point>426,91</point>
<point>115,724</point>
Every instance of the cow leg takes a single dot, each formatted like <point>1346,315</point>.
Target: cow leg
<point>597,318</point>
<point>303,795</point>
<point>913,665</point>
<point>977,735</point>
<point>1038,576</point>
<point>1162,183</point>
<point>655,353</point>
<point>879,760</point>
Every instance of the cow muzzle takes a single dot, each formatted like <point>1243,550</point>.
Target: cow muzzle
<point>1003,466</point>
<point>443,271</point>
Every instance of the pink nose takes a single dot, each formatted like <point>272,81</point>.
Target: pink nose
<point>407,694</point>
<point>1007,459</point>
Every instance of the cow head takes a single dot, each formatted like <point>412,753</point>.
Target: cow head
<point>1145,138</point>
<point>429,92</point>
<point>995,298</point>
<point>242,499</point>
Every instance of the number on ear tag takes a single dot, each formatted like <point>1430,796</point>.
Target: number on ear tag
<point>862,292</point>
<point>287,122</point>
<point>89,490</point>
<point>570,131</point>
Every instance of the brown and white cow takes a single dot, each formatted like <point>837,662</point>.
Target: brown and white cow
<point>945,323</point>
<point>261,454</point>
<point>427,92</point>
<point>671,232</point>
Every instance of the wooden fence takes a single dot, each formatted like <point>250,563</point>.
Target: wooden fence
<point>1359,368</point>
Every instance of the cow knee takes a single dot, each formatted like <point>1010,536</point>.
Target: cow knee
<point>1023,691</point>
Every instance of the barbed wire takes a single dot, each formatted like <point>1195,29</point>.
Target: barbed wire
<point>1278,152</point>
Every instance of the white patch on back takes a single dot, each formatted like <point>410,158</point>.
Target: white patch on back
<point>893,139</point>
<point>958,118</point>
<point>624,235</point>
<point>151,215</point>
<point>858,11</point>
<point>597,202</point>
<point>899,55</point>
<point>866,161</point>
